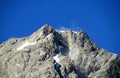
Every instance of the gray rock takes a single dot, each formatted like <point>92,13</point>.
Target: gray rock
<point>49,53</point>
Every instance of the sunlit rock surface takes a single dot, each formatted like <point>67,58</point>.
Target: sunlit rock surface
<point>49,53</point>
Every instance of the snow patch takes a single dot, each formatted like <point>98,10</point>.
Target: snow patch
<point>74,31</point>
<point>56,58</point>
<point>42,53</point>
<point>60,47</point>
<point>113,53</point>
<point>25,45</point>
<point>62,31</point>
<point>67,76</point>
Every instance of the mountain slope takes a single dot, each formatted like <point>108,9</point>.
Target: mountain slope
<point>49,53</point>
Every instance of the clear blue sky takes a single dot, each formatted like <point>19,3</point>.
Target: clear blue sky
<point>99,18</point>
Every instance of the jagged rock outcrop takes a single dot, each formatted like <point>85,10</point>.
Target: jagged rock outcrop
<point>49,53</point>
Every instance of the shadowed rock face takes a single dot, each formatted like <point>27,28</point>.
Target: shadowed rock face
<point>49,53</point>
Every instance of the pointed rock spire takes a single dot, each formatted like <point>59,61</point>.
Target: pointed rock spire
<point>43,31</point>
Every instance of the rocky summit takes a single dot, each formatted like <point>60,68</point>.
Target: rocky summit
<point>49,53</point>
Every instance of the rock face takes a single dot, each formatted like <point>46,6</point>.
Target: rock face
<point>49,53</point>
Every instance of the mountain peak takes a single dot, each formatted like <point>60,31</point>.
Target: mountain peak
<point>56,54</point>
<point>43,31</point>
<point>46,27</point>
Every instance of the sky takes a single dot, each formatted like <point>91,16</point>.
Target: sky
<point>100,19</point>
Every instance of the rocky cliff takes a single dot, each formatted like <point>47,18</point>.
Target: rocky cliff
<point>49,53</point>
